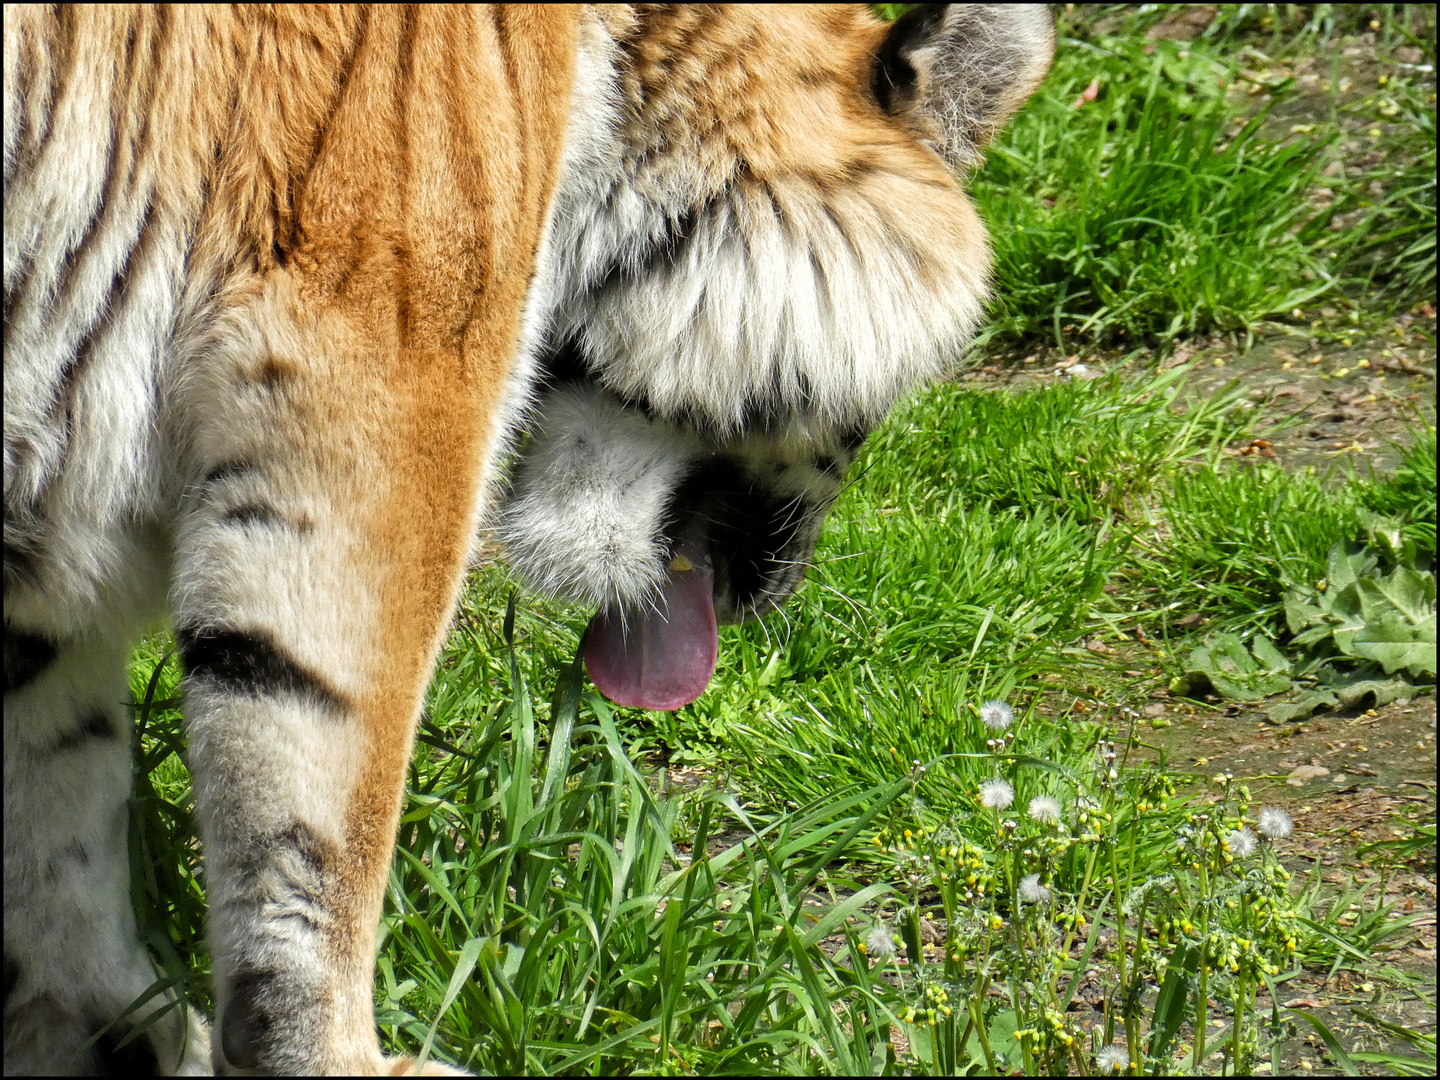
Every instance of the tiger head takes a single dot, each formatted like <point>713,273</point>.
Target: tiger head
<point>757,245</point>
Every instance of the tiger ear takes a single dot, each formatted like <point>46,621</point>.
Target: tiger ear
<point>958,72</point>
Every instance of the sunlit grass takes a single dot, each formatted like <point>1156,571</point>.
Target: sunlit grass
<point>1153,211</point>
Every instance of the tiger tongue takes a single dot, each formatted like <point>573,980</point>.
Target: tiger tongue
<point>658,659</point>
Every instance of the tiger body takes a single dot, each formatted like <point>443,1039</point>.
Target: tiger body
<point>283,285</point>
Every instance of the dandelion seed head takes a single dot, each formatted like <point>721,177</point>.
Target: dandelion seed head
<point>1113,1059</point>
<point>1242,842</point>
<point>1031,891</point>
<point>996,715</point>
<point>996,794</point>
<point>878,943</point>
<point>1275,824</point>
<point>1045,809</point>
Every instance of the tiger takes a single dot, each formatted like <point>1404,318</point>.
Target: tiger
<point>301,301</point>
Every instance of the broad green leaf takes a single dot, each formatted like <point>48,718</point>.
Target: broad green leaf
<point>1301,616</point>
<point>1415,657</point>
<point>1301,707</point>
<point>1346,564</point>
<point>1267,655</point>
<point>1224,665</point>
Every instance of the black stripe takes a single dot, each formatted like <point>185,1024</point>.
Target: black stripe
<point>33,145</point>
<point>250,663</point>
<point>306,893</point>
<point>661,253</point>
<point>260,514</point>
<point>122,283</point>
<point>94,725</point>
<point>228,471</point>
<point>12,976</point>
<point>26,655</point>
<point>666,250</point>
<point>120,170</point>
<point>136,1058</point>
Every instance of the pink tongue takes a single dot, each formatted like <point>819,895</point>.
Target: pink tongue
<point>658,659</point>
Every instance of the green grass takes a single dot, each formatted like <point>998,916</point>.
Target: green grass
<point>1149,212</point>
<point>1164,207</point>
<point>546,914</point>
<point>543,916</point>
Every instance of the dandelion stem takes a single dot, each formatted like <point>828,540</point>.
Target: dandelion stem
<point>1203,994</point>
<point>1119,930</point>
<point>977,1017</point>
<point>1079,907</point>
<point>1242,1068</point>
<point>1132,1022</point>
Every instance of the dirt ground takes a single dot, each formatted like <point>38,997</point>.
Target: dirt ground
<point>1348,398</point>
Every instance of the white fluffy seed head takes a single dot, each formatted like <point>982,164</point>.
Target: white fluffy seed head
<point>1031,891</point>
<point>1242,842</point>
<point>996,794</point>
<point>1275,824</point>
<point>996,715</point>
<point>1112,1059</point>
<point>1045,809</point>
<point>879,944</point>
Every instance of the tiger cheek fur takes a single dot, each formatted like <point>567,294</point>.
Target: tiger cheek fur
<point>281,288</point>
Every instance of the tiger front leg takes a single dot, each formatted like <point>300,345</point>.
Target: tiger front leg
<point>319,553</point>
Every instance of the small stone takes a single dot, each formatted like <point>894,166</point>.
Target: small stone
<point>1302,773</point>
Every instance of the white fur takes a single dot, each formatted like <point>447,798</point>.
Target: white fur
<point>67,872</point>
<point>744,314</point>
<point>584,517</point>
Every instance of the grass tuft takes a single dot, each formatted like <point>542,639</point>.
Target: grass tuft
<point>1151,212</point>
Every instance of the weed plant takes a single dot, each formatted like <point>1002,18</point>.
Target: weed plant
<point>1195,898</point>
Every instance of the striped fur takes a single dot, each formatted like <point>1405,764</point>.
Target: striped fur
<point>281,287</point>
